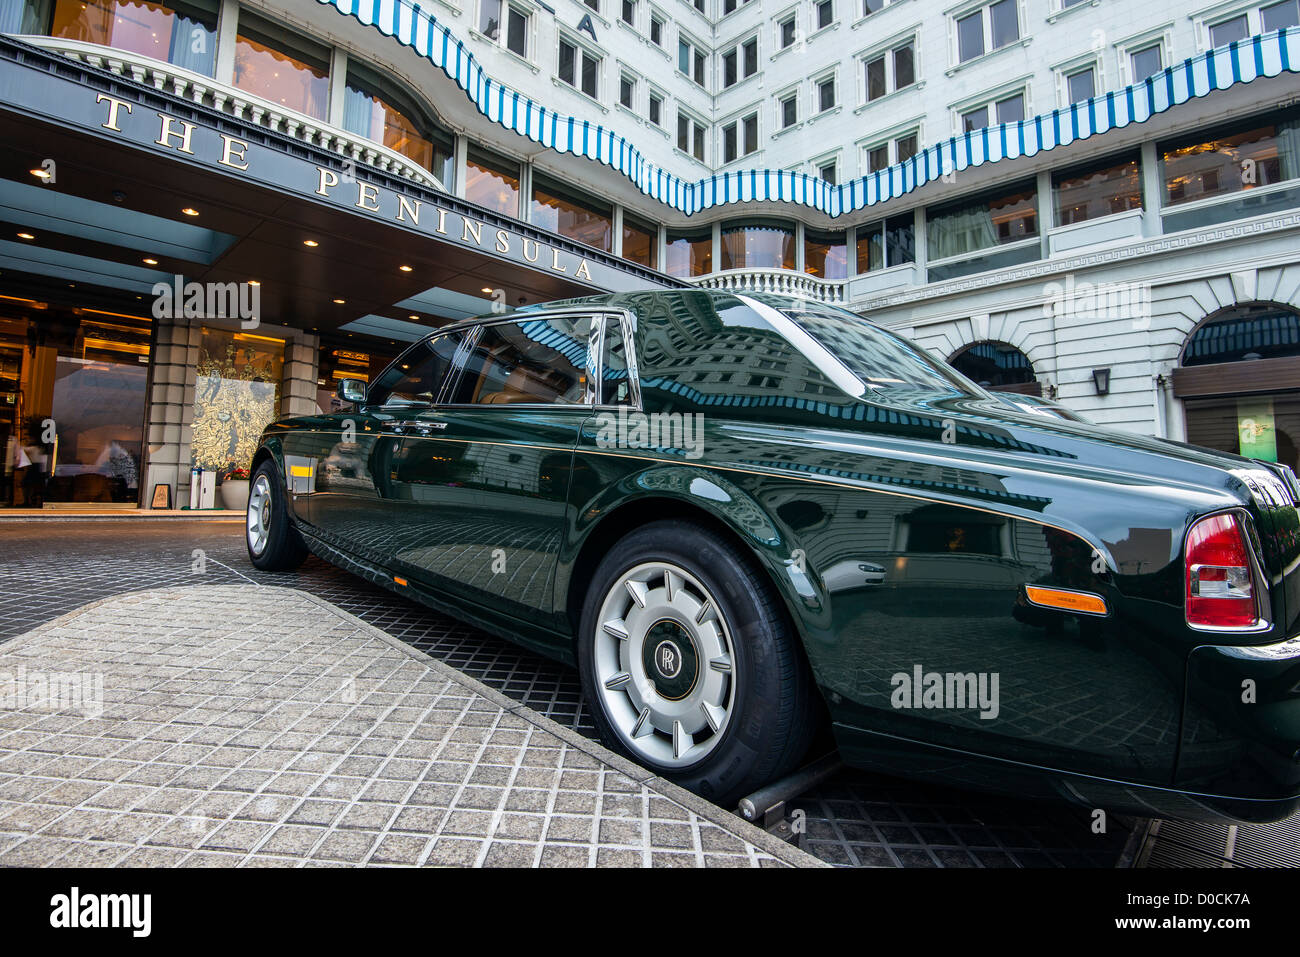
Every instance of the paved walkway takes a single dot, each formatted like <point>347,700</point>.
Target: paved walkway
<point>245,725</point>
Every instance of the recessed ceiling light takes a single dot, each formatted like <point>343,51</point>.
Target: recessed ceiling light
<point>339,301</point>
<point>40,173</point>
<point>254,282</point>
<point>26,236</point>
<point>310,242</point>
<point>404,268</point>
<point>190,211</point>
<point>412,316</point>
<point>150,262</point>
<point>487,289</point>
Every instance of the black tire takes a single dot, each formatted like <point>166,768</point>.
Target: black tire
<point>283,548</point>
<point>774,708</point>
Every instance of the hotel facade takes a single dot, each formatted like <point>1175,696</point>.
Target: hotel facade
<point>214,209</point>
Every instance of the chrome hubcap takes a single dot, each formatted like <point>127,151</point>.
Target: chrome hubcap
<point>663,662</point>
<point>259,514</point>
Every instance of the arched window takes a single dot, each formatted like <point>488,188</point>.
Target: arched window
<point>1239,380</point>
<point>998,366</point>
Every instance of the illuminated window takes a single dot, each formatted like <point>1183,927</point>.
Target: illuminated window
<point>183,34</point>
<point>492,182</point>
<point>570,213</point>
<point>281,66</point>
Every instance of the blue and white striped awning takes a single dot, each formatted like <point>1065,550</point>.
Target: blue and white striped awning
<point>1242,61</point>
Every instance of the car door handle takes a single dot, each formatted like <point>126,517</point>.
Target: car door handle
<point>417,427</point>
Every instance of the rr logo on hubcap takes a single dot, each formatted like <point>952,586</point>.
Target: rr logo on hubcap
<point>668,659</point>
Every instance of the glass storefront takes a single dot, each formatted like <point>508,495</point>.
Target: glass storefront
<point>236,394</point>
<point>72,404</point>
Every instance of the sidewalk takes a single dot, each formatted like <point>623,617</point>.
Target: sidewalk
<point>246,725</point>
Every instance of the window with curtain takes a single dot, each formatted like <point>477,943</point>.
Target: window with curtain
<point>990,220</point>
<point>25,17</point>
<point>281,66</point>
<point>373,107</point>
<point>572,214</point>
<point>183,34</point>
<point>1231,160</point>
<point>640,242</point>
<point>825,254</point>
<point>689,252</point>
<point>1099,190</point>
<point>492,181</point>
<point>757,244</point>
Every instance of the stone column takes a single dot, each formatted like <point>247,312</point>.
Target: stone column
<point>301,367</point>
<point>170,413</point>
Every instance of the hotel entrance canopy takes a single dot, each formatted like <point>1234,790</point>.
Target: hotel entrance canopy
<point>136,185</point>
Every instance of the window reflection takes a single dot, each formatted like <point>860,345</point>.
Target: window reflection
<point>180,34</point>
<point>991,220</point>
<point>826,254</point>
<point>757,245</point>
<point>640,243</point>
<point>688,252</point>
<point>570,214</point>
<point>1232,161</point>
<point>492,182</point>
<point>1113,187</point>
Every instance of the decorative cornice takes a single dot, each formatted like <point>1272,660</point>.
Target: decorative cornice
<point>407,22</point>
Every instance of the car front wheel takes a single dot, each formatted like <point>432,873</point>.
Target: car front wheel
<point>273,543</point>
<point>689,664</point>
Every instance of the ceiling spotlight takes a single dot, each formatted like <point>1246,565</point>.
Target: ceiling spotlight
<point>40,173</point>
<point>413,316</point>
<point>310,242</point>
<point>487,289</point>
<point>150,262</point>
<point>190,211</point>
<point>26,236</point>
<point>339,302</point>
<point>254,282</point>
<point>404,268</point>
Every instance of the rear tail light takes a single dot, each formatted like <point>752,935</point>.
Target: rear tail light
<point>1221,581</point>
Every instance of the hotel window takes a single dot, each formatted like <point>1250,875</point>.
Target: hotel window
<point>699,5</point>
<point>378,109</point>
<point>886,243</point>
<point>282,66</point>
<point>886,154</point>
<point>626,91</point>
<point>1010,109</point>
<point>690,135</point>
<point>829,172</point>
<point>757,244</point>
<point>1146,62</point>
<point>579,68</point>
<point>690,60</point>
<point>740,62</point>
<point>183,34</point>
<point>656,30</point>
<point>629,12</point>
<point>640,242</point>
<point>594,4</point>
<point>892,71</point>
<point>825,94</point>
<point>872,6</point>
<point>515,35</point>
<point>572,214</point>
<point>788,107</point>
<point>688,252</point>
<point>788,32</point>
<point>1231,160</point>
<point>492,181</point>
<point>825,13</point>
<point>1275,16</point>
<point>1101,189</point>
<point>826,254</point>
<point>994,219</point>
<point>740,138</point>
<point>1081,85</point>
<point>655,112</point>
<point>988,28</point>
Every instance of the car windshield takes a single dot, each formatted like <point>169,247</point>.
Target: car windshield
<point>880,358</point>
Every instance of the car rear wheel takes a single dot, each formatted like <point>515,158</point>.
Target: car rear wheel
<point>689,664</point>
<point>273,543</point>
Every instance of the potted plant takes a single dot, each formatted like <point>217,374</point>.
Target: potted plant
<point>234,488</point>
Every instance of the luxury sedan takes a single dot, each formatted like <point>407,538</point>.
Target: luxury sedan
<point>746,518</point>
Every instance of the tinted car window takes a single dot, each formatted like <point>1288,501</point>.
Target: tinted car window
<point>615,386</point>
<point>878,357</point>
<point>417,377</point>
<point>532,361</point>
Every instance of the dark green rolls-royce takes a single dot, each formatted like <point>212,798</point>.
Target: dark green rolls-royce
<point>743,517</point>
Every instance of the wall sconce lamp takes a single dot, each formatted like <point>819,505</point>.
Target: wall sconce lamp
<point>1101,380</point>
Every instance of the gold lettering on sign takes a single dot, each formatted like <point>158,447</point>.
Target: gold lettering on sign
<point>442,221</point>
<point>232,152</point>
<point>328,180</point>
<point>555,261</point>
<point>537,249</point>
<point>503,241</point>
<point>582,272</point>
<point>114,104</point>
<point>405,204</point>
<point>472,227</point>
<point>366,196</point>
<point>184,134</point>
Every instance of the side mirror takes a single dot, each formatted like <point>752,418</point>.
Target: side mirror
<point>352,391</point>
